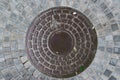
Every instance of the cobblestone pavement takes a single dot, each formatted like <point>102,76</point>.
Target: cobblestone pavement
<point>17,15</point>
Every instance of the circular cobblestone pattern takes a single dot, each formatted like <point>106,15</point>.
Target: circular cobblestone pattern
<point>61,42</point>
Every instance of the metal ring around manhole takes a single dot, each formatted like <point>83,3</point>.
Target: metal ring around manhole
<point>61,42</point>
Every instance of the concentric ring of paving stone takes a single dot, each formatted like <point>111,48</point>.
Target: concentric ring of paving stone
<point>69,63</point>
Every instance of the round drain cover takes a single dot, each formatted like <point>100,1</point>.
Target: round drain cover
<point>61,42</point>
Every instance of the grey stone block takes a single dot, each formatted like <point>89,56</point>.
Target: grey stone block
<point>7,75</point>
<point>117,50</point>
<point>26,76</point>
<point>14,45</point>
<point>14,71</point>
<point>9,27</point>
<point>107,72</point>
<point>113,61</point>
<point>32,78</point>
<point>1,76</point>
<point>109,15</point>
<point>19,78</point>
<point>20,7</point>
<point>94,1</point>
<point>116,38</point>
<point>109,50</point>
<point>6,49</point>
<point>103,6</point>
<point>112,78</point>
<point>87,12</point>
<point>57,2</point>
<point>9,62</point>
<point>2,65</point>
<point>13,17</point>
<point>114,27</point>
<point>6,39</point>
<point>101,48</point>
<point>17,61</point>
<point>31,70</point>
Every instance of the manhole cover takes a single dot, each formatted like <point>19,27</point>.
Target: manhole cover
<point>61,42</point>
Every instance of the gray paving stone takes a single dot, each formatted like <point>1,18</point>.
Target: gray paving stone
<point>110,50</point>
<point>87,12</point>
<point>114,27</point>
<point>2,65</point>
<point>41,78</point>
<point>14,72</point>
<point>113,61</point>
<point>94,1</point>
<point>107,72</point>
<point>103,6</point>
<point>17,61</point>
<point>101,48</point>
<point>6,39</point>
<point>20,7</point>
<point>112,78</point>
<point>14,45</point>
<point>19,78</point>
<point>7,75</point>
<point>19,67</point>
<point>6,49</point>
<point>9,27</point>
<point>1,76</point>
<point>31,69</point>
<point>57,2</point>
<point>13,17</point>
<point>109,15</point>
<point>26,76</point>
<point>9,62</point>
<point>116,38</point>
<point>117,50</point>
<point>32,78</point>
<point>21,18</point>
<point>15,55</point>
<point>4,4</point>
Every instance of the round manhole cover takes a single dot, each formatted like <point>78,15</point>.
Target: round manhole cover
<point>61,42</point>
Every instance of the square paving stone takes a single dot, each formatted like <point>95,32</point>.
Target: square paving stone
<point>13,17</point>
<point>20,7</point>
<point>9,62</point>
<point>112,78</point>
<point>6,74</point>
<point>94,1</point>
<point>14,71</point>
<point>2,65</point>
<point>101,48</point>
<point>107,72</point>
<point>113,61</point>
<point>6,39</point>
<point>109,15</point>
<point>19,78</point>
<point>114,27</point>
<point>58,2</point>
<point>33,78</point>
<point>117,50</point>
<point>109,50</point>
<point>87,12</point>
<point>103,6</point>
<point>6,49</point>
<point>9,27</point>
<point>116,38</point>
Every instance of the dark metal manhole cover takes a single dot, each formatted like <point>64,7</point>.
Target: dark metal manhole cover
<point>61,42</point>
